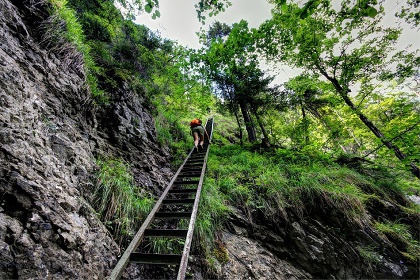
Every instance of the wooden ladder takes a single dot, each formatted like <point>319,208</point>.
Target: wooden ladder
<point>182,192</point>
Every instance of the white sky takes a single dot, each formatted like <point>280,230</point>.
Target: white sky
<point>178,22</point>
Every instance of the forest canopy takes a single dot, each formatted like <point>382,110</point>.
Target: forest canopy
<point>341,103</point>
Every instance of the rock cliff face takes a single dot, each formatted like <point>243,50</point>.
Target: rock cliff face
<point>50,135</point>
<point>308,248</point>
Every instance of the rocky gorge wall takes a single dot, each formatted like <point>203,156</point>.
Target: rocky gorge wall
<point>316,246</point>
<point>50,136</point>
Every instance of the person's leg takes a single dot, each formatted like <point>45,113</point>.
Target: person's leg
<point>201,140</point>
<point>201,135</point>
<point>195,135</point>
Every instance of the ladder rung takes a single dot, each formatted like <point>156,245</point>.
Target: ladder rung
<point>183,191</point>
<point>165,232</point>
<point>172,215</point>
<point>178,201</point>
<point>198,155</point>
<point>194,182</point>
<point>194,160</point>
<point>188,175</point>
<point>192,164</point>
<point>192,168</point>
<point>155,258</point>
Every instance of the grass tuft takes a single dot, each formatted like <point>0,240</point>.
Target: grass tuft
<point>121,204</point>
<point>64,24</point>
<point>400,235</point>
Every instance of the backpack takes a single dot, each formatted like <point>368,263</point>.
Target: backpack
<point>195,122</point>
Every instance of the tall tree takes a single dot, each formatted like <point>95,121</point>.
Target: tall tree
<point>232,64</point>
<point>348,47</point>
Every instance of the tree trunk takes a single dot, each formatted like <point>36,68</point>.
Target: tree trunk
<point>264,132</point>
<point>239,125</point>
<point>305,123</point>
<point>400,155</point>
<point>252,137</point>
<point>235,112</point>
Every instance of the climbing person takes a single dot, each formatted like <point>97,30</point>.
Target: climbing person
<point>198,131</point>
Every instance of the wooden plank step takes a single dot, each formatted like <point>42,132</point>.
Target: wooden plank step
<point>155,258</point>
<point>166,233</point>
<point>174,191</point>
<point>190,182</point>
<point>173,215</point>
<point>178,201</point>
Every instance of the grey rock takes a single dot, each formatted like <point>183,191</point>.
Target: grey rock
<point>50,134</point>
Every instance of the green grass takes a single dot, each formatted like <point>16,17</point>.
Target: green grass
<point>164,245</point>
<point>370,255</point>
<point>121,204</point>
<point>282,181</point>
<point>399,233</point>
<point>74,34</point>
<point>260,180</point>
<point>212,213</point>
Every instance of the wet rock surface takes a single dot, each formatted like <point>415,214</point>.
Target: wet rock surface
<point>50,136</point>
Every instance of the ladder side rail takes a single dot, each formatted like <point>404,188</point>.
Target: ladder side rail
<point>125,258</point>
<point>211,129</point>
<point>184,260</point>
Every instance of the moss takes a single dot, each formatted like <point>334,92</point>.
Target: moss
<point>221,253</point>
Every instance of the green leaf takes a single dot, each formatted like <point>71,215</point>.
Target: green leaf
<point>371,12</point>
<point>148,8</point>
